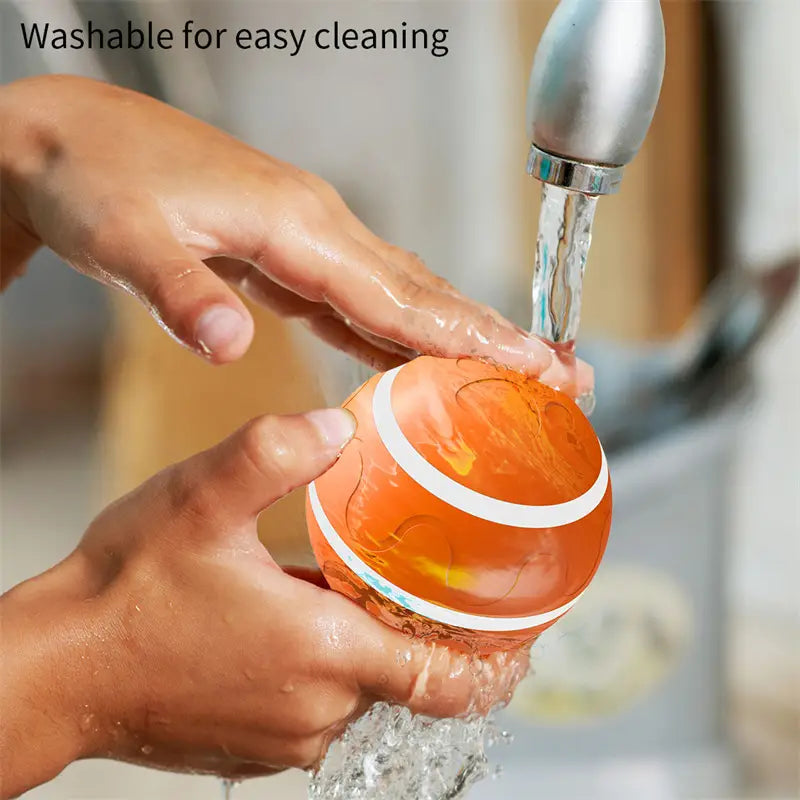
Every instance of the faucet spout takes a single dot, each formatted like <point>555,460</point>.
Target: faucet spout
<point>593,90</point>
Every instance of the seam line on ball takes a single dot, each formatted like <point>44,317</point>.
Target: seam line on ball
<point>432,611</point>
<point>491,509</point>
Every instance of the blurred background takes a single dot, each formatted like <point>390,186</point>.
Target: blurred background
<point>679,677</point>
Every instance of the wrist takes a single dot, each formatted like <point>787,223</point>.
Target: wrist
<point>52,700</point>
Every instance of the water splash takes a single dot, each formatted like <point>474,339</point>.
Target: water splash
<point>392,754</point>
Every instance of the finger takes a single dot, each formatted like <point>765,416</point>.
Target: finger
<point>388,302</point>
<point>192,303</point>
<point>263,290</point>
<point>403,353</point>
<point>339,335</point>
<point>457,326</point>
<point>361,233</point>
<point>573,377</point>
<point>564,372</point>
<point>318,317</point>
<point>429,678</point>
<point>453,684</point>
<point>264,460</point>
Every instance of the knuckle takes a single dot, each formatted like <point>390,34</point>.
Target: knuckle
<point>419,272</point>
<point>309,198</point>
<point>187,497</point>
<point>414,292</point>
<point>405,257</point>
<point>268,449</point>
<point>166,291</point>
<point>322,188</point>
<point>298,184</point>
<point>416,302</point>
<point>113,213</point>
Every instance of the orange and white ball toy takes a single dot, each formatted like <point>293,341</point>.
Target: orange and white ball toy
<point>473,504</point>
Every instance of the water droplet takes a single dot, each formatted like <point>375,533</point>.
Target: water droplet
<point>146,749</point>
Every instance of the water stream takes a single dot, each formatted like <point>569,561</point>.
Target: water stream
<point>562,246</point>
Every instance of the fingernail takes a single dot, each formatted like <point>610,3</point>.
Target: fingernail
<point>218,327</point>
<point>336,425</point>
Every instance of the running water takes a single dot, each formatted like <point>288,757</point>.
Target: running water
<point>565,234</point>
<point>562,246</point>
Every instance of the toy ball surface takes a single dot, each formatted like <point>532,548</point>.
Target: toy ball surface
<point>472,506</point>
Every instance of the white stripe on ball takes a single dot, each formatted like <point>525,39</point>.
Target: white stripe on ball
<point>433,611</point>
<point>479,505</point>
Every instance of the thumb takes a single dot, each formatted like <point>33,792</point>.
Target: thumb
<point>266,459</point>
<point>184,295</point>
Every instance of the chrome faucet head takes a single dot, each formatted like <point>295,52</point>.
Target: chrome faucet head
<point>593,90</point>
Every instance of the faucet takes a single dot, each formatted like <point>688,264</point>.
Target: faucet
<point>592,94</point>
<point>593,90</point>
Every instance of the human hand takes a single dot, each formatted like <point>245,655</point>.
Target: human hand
<point>171,638</point>
<point>141,196</point>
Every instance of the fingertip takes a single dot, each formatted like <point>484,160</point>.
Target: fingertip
<point>519,350</point>
<point>335,426</point>
<point>223,333</point>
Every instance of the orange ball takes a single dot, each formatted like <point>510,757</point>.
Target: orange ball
<point>472,506</point>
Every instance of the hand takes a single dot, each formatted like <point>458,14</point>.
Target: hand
<point>171,638</point>
<point>141,196</point>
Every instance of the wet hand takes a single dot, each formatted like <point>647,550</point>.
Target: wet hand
<point>141,196</point>
<point>171,638</point>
